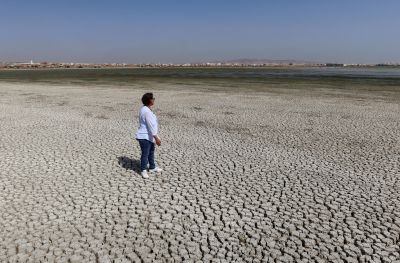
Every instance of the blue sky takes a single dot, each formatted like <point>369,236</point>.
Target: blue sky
<point>177,31</point>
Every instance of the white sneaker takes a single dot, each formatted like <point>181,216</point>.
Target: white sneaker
<point>144,174</point>
<point>155,170</point>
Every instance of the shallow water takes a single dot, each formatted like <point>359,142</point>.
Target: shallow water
<point>377,81</point>
<point>257,73</point>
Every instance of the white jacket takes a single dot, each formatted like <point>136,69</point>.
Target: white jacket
<point>148,124</point>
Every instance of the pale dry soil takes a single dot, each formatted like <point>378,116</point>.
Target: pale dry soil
<point>248,177</point>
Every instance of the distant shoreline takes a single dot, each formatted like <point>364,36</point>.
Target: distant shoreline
<point>37,68</point>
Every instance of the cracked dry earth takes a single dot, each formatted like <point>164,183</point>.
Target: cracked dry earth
<point>247,177</point>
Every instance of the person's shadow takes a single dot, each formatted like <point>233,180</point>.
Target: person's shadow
<point>129,164</point>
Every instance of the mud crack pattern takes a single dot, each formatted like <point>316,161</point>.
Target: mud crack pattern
<point>247,178</point>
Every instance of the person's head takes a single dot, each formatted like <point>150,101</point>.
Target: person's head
<point>148,99</point>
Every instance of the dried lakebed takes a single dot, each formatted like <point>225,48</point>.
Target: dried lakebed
<point>261,177</point>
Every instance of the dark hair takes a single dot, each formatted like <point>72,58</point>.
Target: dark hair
<point>146,98</point>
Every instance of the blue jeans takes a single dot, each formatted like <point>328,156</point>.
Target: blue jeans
<point>147,148</point>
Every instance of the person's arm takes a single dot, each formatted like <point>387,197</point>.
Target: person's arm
<point>150,125</point>
<point>157,139</point>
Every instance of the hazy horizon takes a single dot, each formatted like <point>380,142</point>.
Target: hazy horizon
<point>183,32</point>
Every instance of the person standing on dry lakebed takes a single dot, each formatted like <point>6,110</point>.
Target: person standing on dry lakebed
<point>147,135</point>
